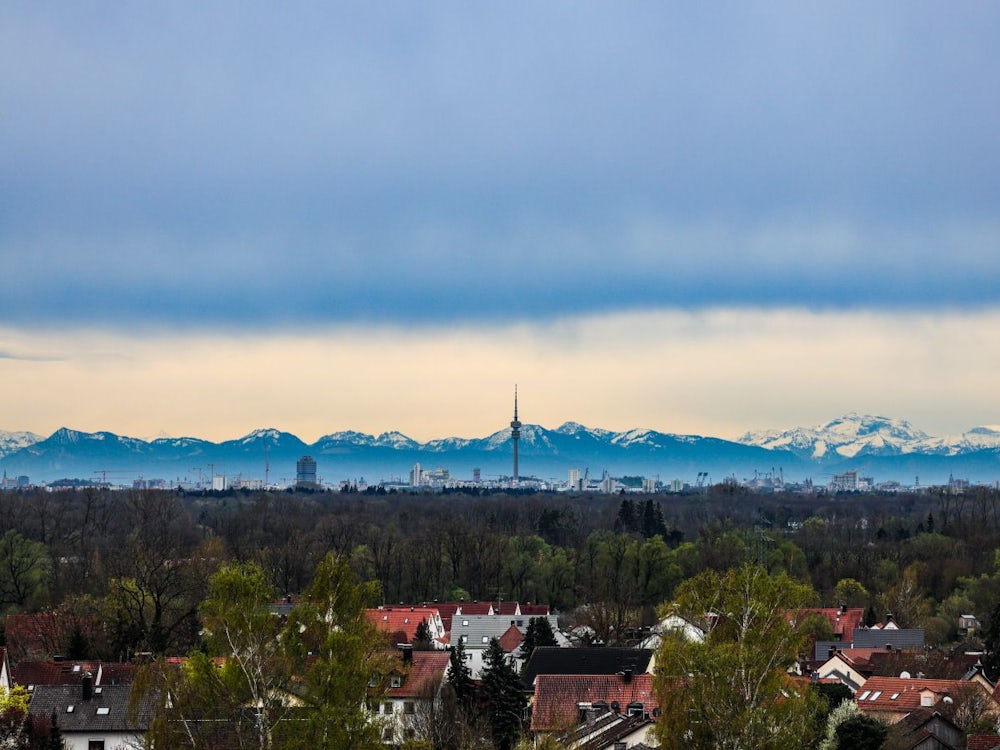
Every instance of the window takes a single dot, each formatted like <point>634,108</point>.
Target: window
<point>95,745</point>
<point>103,710</point>
<point>621,746</point>
<point>409,707</point>
<point>465,623</point>
<point>875,695</point>
<point>70,709</point>
<point>864,695</point>
<point>486,639</point>
<point>893,696</point>
<point>387,708</point>
<point>396,681</point>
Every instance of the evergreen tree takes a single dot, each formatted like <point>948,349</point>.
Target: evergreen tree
<point>55,736</point>
<point>503,696</point>
<point>626,521</point>
<point>460,677</point>
<point>422,638</point>
<point>539,633</point>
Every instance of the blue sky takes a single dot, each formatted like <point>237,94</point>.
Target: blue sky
<point>374,182</point>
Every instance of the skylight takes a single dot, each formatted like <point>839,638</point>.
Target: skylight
<point>864,695</point>
<point>103,710</point>
<point>893,696</point>
<point>875,695</point>
<point>69,709</point>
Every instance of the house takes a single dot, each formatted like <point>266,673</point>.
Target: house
<point>592,660</point>
<point>414,683</point>
<point>6,682</point>
<point>566,704</point>
<point>926,729</point>
<point>93,717</point>
<point>876,638</point>
<point>843,619</point>
<point>33,672</point>
<point>609,731</point>
<point>677,625</point>
<point>476,631</point>
<point>402,622</point>
<point>893,698</point>
<point>849,666</point>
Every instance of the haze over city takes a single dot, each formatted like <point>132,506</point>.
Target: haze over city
<point>214,219</point>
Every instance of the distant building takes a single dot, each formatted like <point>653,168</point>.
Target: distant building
<point>305,472</point>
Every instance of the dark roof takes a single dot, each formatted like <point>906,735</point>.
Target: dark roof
<point>113,700</point>
<point>589,660</point>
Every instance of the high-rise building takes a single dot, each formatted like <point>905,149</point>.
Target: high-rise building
<point>515,435</point>
<point>305,472</point>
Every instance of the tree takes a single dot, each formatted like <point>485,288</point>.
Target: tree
<point>249,690</point>
<point>861,733</point>
<point>460,678</point>
<point>24,569</point>
<point>339,657</point>
<point>503,697</point>
<point>422,636</point>
<point>732,690</point>
<point>13,717</point>
<point>538,633</point>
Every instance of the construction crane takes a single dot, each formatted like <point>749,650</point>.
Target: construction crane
<point>104,474</point>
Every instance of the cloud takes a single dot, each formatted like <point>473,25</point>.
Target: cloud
<point>715,371</point>
<point>197,167</point>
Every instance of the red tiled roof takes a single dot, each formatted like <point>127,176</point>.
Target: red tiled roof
<point>511,639</point>
<point>556,697</point>
<point>33,672</point>
<point>902,695</point>
<point>426,669</point>
<point>405,620</point>
<point>843,623</point>
<point>536,610</point>
<point>983,741</point>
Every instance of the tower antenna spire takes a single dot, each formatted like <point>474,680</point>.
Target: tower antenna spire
<point>515,435</point>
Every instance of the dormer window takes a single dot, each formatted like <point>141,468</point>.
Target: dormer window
<point>395,681</point>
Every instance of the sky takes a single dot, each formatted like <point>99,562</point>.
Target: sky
<point>221,216</point>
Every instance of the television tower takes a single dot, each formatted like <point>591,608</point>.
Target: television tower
<point>515,433</point>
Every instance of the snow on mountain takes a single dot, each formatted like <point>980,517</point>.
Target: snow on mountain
<point>576,429</point>
<point>848,436</point>
<point>395,440</point>
<point>15,441</point>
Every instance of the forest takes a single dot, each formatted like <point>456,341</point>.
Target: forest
<point>130,568</point>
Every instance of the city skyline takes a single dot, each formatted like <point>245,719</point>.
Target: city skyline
<point>378,218</point>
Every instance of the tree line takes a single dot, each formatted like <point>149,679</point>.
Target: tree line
<point>130,568</point>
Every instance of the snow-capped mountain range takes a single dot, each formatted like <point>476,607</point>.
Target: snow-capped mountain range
<point>857,435</point>
<point>875,446</point>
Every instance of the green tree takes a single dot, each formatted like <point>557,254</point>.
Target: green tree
<point>422,636</point>
<point>338,656</point>
<point>24,569</point>
<point>460,678</point>
<point>733,691</point>
<point>503,697</point>
<point>861,733</point>
<point>850,592</point>
<point>538,633</point>
<point>249,688</point>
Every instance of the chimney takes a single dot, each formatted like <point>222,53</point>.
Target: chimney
<point>627,676</point>
<point>87,686</point>
<point>843,608</point>
<point>831,652</point>
<point>407,650</point>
